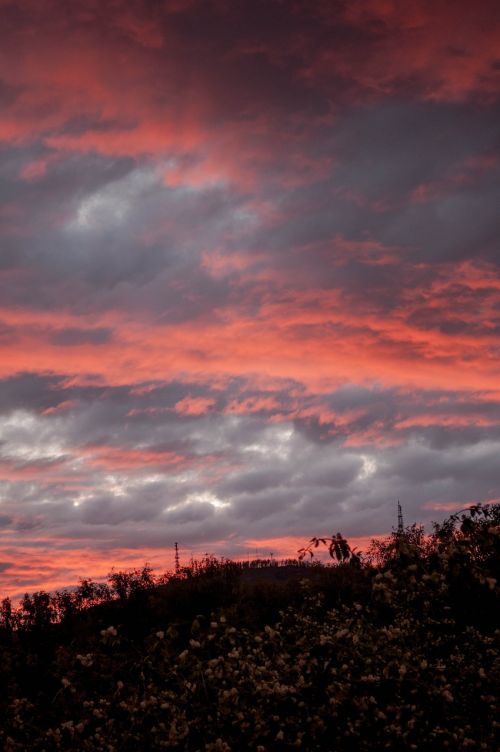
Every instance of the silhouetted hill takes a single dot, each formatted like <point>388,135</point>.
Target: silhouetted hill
<point>398,651</point>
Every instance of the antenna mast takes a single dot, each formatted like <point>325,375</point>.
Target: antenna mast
<point>401,528</point>
<point>177,559</point>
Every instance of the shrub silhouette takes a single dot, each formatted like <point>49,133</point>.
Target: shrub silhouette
<point>398,650</point>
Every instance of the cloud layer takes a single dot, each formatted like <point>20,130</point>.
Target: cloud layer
<point>249,275</point>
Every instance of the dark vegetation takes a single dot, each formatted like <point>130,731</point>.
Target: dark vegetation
<point>398,650</point>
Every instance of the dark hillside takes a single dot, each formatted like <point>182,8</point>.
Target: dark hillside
<point>399,651</point>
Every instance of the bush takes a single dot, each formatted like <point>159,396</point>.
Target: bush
<point>405,658</point>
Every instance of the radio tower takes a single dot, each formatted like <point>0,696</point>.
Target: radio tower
<point>177,559</point>
<point>401,528</point>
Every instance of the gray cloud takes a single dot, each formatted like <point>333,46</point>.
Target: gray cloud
<point>72,336</point>
<point>251,169</point>
<point>241,477</point>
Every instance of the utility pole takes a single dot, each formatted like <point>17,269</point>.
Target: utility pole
<point>177,559</point>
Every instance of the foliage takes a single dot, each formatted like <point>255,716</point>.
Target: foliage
<point>338,548</point>
<point>411,543</point>
<point>402,654</point>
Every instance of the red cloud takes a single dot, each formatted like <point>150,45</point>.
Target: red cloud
<point>434,50</point>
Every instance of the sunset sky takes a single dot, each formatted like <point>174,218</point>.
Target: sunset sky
<point>249,275</point>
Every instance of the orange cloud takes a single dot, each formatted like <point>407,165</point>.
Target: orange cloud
<point>194,405</point>
<point>43,471</point>
<point>288,546</point>
<point>457,421</point>
<point>314,336</point>
<point>253,405</point>
<point>120,458</point>
<point>60,407</point>
<point>45,568</point>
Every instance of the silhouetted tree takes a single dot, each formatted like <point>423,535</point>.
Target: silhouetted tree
<point>7,618</point>
<point>412,543</point>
